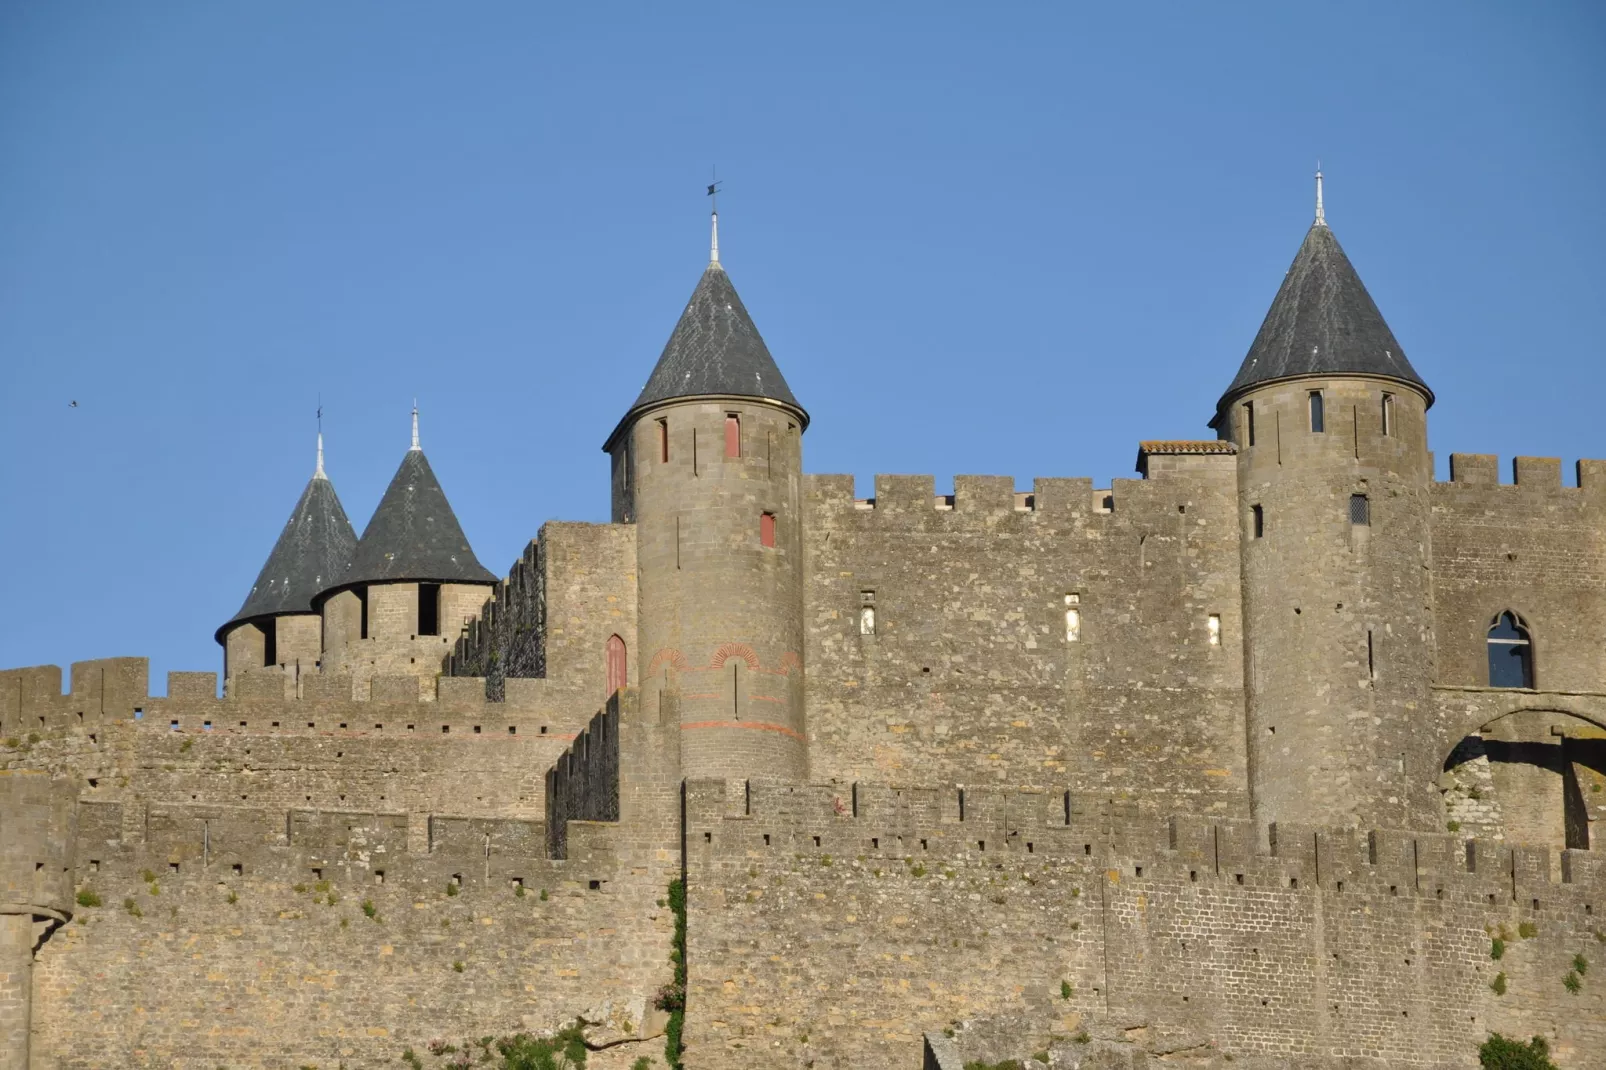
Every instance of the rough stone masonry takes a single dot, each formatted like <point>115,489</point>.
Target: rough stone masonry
<point>1281,755</point>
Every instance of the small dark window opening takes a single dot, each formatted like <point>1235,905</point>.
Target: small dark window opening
<point>1510,652</point>
<point>1318,420</point>
<point>270,642</point>
<point>663,441</point>
<point>1388,414</point>
<point>429,609</point>
<point>766,529</point>
<point>1360,510</point>
<point>1249,421</point>
<point>362,602</point>
<point>1259,517</point>
<point>733,435</point>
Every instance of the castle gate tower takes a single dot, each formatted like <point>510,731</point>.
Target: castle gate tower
<point>412,583</point>
<point>1334,474</point>
<point>38,834</point>
<point>277,626</point>
<point>708,464</point>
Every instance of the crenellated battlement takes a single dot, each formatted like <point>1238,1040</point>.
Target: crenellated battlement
<point>903,500</point>
<point>180,842</point>
<point>116,690</point>
<point>958,825</point>
<point>1527,473</point>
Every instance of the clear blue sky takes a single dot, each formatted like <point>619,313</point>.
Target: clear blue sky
<point>992,239</point>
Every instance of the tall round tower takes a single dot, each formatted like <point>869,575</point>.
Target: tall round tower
<point>708,463</point>
<point>1334,475</point>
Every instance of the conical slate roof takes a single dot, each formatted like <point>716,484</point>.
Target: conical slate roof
<point>312,550</point>
<point>1322,322</point>
<point>714,350</point>
<point>413,535</point>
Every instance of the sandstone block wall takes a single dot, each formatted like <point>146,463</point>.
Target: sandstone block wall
<point>256,938</point>
<point>832,933</point>
<point>969,676</point>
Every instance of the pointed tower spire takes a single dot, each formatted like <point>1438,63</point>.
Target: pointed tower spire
<point>713,253</point>
<point>1321,323</point>
<point>415,446</point>
<point>313,549</point>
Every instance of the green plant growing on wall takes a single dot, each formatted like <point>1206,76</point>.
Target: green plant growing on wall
<point>234,897</point>
<point>451,887</point>
<point>672,997</point>
<point>369,909</point>
<point>457,967</point>
<point>133,907</point>
<point>543,895</point>
<point>184,748</point>
<point>1498,985</point>
<point>1502,1053</point>
<point>87,898</point>
<point>642,1063</point>
<point>1497,949</point>
<point>917,870</point>
<point>1066,990</point>
<point>1571,982</point>
<point>1580,964</point>
<point>565,1050</point>
<point>147,876</point>
<point>410,1057</point>
<point>1007,1064</point>
<point>1453,826</point>
<point>1527,930</point>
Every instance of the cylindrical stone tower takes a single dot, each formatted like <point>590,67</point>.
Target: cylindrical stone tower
<point>38,837</point>
<point>1334,478</point>
<point>708,464</point>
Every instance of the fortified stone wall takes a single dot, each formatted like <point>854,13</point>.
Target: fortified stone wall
<point>263,938</point>
<point>969,676</point>
<point>1532,546</point>
<point>832,926</point>
<point>572,589</point>
<point>393,751</point>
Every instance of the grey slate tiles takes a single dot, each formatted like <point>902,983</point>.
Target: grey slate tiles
<point>1322,322</point>
<point>313,549</point>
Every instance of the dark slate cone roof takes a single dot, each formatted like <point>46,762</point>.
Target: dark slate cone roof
<point>715,350</point>
<point>1322,322</point>
<point>313,549</point>
<point>413,535</point>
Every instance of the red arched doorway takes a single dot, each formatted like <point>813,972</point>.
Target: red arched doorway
<point>618,672</point>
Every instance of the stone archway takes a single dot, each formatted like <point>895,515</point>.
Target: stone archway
<point>1534,776</point>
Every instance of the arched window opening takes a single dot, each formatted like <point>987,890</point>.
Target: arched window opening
<point>1511,662</point>
<point>618,674</point>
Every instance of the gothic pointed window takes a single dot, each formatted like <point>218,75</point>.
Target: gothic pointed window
<point>618,676</point>
<point>1511,662</point>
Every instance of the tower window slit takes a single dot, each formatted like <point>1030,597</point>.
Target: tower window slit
<point>1249,422</point>
<point>1318,418</point>
<point>429,609</point>
<point>733,435</point>
<point>1388,414</point>
<point>663,441</point>
<point>1360,510</point>
<point>866,612</point>
<point>1073,618</point>
<point>270,642</point>
<point>1257,516</point>
<point>766,529</point>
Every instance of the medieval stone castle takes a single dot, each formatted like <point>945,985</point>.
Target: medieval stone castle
<point>1280,755</point>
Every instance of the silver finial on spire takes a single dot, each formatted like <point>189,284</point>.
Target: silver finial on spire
<point>415,425</point>
<point>713,253</point>
<point>1321,216</point>
<point>318,472</point>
